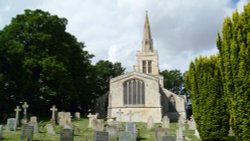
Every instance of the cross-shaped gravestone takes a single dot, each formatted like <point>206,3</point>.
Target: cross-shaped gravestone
<point>130,114</point>
<point>25,107</point>
<point>17,113</point>
<point>120,115</point>
<point>53,109</point>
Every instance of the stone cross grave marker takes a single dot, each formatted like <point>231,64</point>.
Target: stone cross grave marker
<point>1,132</point>
<point>33,122</point>
<point>119,115</point>
<point>27,132</point>
<point>150,123</point>
<point>101,136</point>
<point>11,124</point>
<point>50,129</point>
<point>67,134</point>
<point>168,138</point>
<point>159,133</point>
<point>165,122</point>
<point>126,136</point>
<point>91,117</point>
<point>17,113</point>
<point>53,109</point>
<point>25,107</point>
<point>130,114</point>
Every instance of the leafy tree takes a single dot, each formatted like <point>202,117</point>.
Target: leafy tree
<point>204,81</point>
<point>41,63</point>
<point>173,80</point>
<point>234,49</point>
<point>104,71</point>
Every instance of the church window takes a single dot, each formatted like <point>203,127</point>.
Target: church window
<point>144,66</point>
<point>134,92</point>
<point>149,66</point>
<point>172,107</point>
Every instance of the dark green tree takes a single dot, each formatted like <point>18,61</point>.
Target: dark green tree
<point>104,71</point>
<point>42,64</point>
<point>204,82</point>
<point>173,80</point>
<point>234,48</point>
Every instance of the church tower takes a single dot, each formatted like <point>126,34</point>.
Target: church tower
<point>147,57</point>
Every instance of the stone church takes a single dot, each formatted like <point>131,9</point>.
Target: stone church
<point>140,94</point>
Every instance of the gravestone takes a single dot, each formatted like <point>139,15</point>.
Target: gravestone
<point>100,125</point>
<point>1,132</point>
<point>159,133</point>
<point>150,123</point>
<point>91,117</point>
<point>130,114</point>
<point>101,136</point>
<point>27,133</point>
<point>17,114</point>
<point>179,134</point>
<point>25,107</point>
<point>112,131</point>
<point>126,136</point>
<point>50,129</point>
<point>77,115</point>
<point>67,134</point>
<point>165,122</point>
<point>94,124</point>
<point>11,124</point>
<point>33,122</point>
<point>168,138</point>
<point>131,127</point>
<point>53,109</point>
<point>119,115</point>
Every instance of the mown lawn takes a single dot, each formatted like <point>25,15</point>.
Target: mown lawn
<point>82,133</point>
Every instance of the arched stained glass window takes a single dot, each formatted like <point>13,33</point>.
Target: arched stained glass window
<point>134,92</point>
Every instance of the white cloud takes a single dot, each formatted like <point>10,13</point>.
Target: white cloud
<point>112,29</point>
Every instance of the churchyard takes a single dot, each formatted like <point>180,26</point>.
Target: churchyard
<point>66,127</point>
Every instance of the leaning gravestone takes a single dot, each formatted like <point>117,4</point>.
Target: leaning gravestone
<point>126,136</point>
<point>101,136</point>
<point>27,133</point>
<point>11,124</point>
<point>1,132</point>
<point>159,133</point>
<point>67,134</point>
<point>168,138</point>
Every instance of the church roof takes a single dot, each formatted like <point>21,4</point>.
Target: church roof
<point>133,74</point>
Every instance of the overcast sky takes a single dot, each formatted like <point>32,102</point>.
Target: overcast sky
<point>113,29</point>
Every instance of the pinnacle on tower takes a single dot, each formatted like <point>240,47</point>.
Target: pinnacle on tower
<point>147,42</point>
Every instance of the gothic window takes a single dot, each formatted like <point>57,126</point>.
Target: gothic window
<point>172,107</point>
<point>144,66</point>
<point>134,92</point>
<point>149,66</point>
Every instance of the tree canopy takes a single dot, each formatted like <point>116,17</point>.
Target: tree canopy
<point>43,64</point>
<point>173,80</point>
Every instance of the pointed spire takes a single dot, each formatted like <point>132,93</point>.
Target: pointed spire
<point>147,42</point>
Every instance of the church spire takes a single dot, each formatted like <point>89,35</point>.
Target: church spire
<point>147,42</point>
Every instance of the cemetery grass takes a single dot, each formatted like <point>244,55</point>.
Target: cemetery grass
<point>82,133</point>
